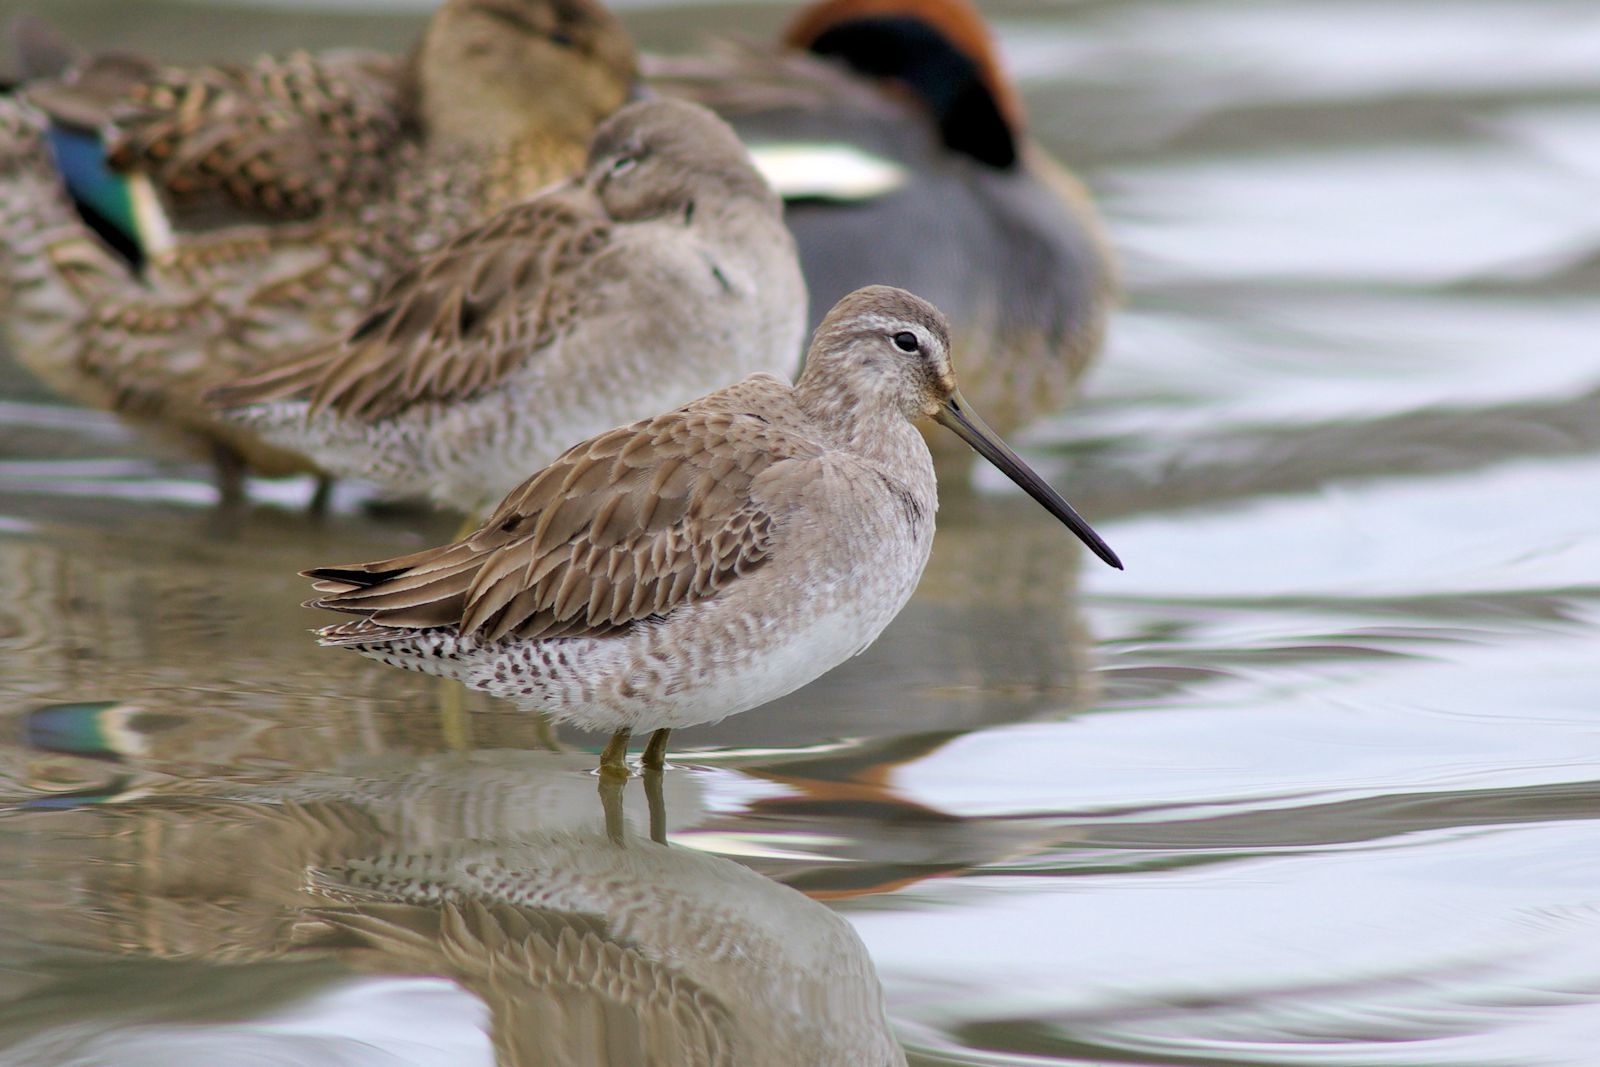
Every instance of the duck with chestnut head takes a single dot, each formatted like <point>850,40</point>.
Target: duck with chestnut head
<point>902,151</point>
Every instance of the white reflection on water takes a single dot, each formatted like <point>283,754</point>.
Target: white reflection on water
<point>1521,526</point>
<point>1321,50</point>
<point>1302,355</point>
<point>418,1022</point>
<point>1496,963</point>
<point>1517,714</point>
<point>1568,135</point>
<point>1406,216</point>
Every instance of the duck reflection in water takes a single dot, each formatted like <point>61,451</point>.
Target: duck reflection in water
<point>588,943</point>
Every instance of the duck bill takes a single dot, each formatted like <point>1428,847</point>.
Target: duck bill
<point>959,418</point>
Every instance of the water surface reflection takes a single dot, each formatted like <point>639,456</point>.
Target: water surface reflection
<point>585,941</point>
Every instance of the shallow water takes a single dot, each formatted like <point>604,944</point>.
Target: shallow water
<point>1316,781</point>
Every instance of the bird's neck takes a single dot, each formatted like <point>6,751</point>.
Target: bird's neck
<point>866,426</point>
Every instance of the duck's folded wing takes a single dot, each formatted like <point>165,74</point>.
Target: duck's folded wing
<point>626,526</point>
<point>455,324</point>
<point>287,137</point>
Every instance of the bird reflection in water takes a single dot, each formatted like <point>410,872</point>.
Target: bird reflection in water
<point>588,942</point>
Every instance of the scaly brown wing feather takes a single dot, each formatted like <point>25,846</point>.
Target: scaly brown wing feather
<point>541,971</point>
<point>291,137</point>
<point>626,526</point>
<point>455,324</point>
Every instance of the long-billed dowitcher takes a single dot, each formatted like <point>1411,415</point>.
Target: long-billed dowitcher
<point>890,128</point>
<point>703,562</point>
<point>664,272</point>
<point>170,229</point>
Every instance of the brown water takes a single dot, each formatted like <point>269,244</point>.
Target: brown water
<point>1316,781</point>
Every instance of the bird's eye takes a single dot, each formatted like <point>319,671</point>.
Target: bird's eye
<point>905,341</point>
<point>624,165</point>
<point>561,39</point>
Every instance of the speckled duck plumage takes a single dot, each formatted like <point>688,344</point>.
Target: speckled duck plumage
<point>170,229</point>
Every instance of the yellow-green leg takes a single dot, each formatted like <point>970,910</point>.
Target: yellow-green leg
<point>655,753</point>
<point>614,760</point>
<point>611,787</point>
<point>454,722</point>
<point>658,805</point>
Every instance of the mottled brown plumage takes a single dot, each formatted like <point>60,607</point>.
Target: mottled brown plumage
<point>454,325</point>
<point>702,562</point>
<point>663,272</point>
<point>287,137</point>
<point>630,525</point>
<point>262,206</point>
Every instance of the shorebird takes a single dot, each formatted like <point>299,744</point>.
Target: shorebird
<point>889,127</point>
<point>662,273</point>
<point>170,229</point>
<point>703,562</point>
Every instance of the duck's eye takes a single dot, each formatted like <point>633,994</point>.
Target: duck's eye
<point>905,341</point>
<point>624,165</point>
<point>561,39</point>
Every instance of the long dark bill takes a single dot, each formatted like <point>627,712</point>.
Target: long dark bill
<point>961,420</point>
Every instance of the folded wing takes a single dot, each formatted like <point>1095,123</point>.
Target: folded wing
<point>625,527</point>
<point>457,323</point>
<point>278,139</point>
